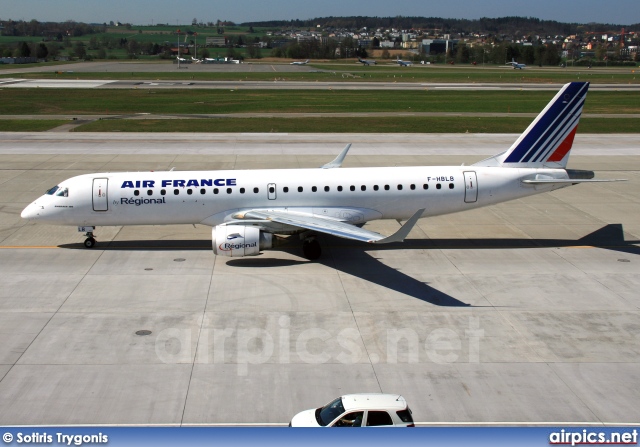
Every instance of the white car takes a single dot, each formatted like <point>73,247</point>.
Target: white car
<point>358,410</point>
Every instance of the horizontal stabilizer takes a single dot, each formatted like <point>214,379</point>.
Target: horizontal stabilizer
<point>569,181</point>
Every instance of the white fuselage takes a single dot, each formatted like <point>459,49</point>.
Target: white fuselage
<point>355,195</point>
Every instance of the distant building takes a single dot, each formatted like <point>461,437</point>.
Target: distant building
<point>216,41</point>
<point>438,46</point>
<point>18,60</point>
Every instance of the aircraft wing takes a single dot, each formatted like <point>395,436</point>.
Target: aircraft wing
<point>327,226</point>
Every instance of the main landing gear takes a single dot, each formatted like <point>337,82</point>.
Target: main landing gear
<point>90,241</point>
<point>311,248</point>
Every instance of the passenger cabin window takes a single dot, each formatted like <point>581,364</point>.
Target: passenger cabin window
<point>438,186</point>
<point>450,185</point>
<point>378,418</point>
<point>189,191</point>
<point>352,188</point>
<point>216,190</point>
<point>340,188</point>
<point>363,188</point>
<point>163,192</point>
<point>375,187</point>
<point>314,189</point>
<point>255,190</point>
<point>149,192</point>
<point>136,193</point>
<point>285,189</point>
<point>300,189</point>
<point>386,187</point>
<point>241,190</point>
<point>229,190</point>
<point>203,191</point>
<point>176,192</point>
<point>425,186</point>
<point>399,187</point>
<point>413,186</point>
<point>326,188</point>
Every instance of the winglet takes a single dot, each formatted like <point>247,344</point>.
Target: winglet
<point>403,232</point>
<point>337,162</point>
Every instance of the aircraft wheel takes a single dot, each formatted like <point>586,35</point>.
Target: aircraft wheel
<point>89,242</point>
<point>311,249</point>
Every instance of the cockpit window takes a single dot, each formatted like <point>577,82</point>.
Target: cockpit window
<point>63,192</point>
<point>53,190</point>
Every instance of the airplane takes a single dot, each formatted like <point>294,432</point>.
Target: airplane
<point>183,60</point>
<point>300,63</point>
<point>515,65</point>
<point>250,210</point>
<point>197,61</point>
<point>367,61</point>
<point>403,63</point>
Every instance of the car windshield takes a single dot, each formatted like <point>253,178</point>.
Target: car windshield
<point>329,412</point>
<point>53,190</point>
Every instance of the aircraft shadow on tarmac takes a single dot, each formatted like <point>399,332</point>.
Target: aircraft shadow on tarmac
<point>353,259</point>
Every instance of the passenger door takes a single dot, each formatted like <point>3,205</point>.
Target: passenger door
<point>470,187</point>
<point>100,199</point>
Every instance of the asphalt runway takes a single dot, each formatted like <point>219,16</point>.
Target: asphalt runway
<point>525,312</point>
<point>397,77</point>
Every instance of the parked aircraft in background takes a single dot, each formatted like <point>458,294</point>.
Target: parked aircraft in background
<point>197,61</point>
<point>300,63</point>
<point>182,59</point>
<point>366,61</point>
<point>515,65</point>
<point>403,63</point>
<point>220,60</point>
<point>248,208</point>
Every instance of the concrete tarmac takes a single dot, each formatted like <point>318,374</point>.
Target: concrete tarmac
<point>525,312</point>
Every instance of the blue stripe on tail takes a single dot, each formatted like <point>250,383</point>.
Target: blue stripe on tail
<point>552,126</point>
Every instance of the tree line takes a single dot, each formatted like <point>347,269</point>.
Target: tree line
<point>485,25</point>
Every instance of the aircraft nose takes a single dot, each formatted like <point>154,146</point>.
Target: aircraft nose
<point>29,212</point>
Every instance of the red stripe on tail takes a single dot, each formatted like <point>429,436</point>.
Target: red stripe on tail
<point>564,147</point>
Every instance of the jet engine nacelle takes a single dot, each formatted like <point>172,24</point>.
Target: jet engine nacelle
<point>236,241</point>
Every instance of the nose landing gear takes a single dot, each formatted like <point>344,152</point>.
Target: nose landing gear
<point>90,241</point>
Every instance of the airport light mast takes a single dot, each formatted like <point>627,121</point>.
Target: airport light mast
<point>178,32</point>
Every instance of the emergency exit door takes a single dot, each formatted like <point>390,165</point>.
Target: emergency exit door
<point>271,191</point>
<point>470,187</point>
<point>100,201</point>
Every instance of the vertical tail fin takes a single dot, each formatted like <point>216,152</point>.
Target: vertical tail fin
<point>549,138</point>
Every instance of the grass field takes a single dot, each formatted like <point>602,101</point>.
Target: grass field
<point>350,125</point>
<point>356,73</point>
<point>179,101</point>
<point>29,125</point>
